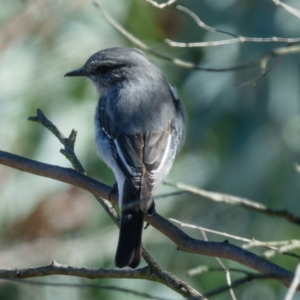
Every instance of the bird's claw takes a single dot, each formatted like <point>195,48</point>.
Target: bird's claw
<point>113,190</point>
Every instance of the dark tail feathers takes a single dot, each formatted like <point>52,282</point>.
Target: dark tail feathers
<point>129,249</point>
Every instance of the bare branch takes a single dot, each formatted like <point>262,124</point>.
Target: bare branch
<point>225,269</point>
<point>285,245</point>
<point>202,24</point>
<point>236,39</point>
<point>239,282</point>
<point>162,5</point>
<point>175,61</point>
<point>294,244</point>
<point>148,273</point>
<point>294,284</point>
<point>295,12</point>
<point>58,269</point>
<point>69,153</point>
<point>263,73</point>
<point>205,269</point>
<point>243,202</point>
<point>152,272</point>
<point>181,239</point>
<point>69,143</point>
<point>262,62</point>
<point>250,276</point>
<point>211,231</point>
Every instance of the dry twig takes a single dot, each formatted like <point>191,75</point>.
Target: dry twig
<point>234,200</point>
<point>162,5</point>
<point>236,38</point>
<point>293,11</point>
<point>175,61</point>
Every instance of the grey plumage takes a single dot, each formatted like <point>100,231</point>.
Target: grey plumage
<point>140,127</point>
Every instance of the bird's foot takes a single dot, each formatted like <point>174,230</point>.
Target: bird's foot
<point>113,191</point>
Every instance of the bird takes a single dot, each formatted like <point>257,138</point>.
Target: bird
<point>140,126</point>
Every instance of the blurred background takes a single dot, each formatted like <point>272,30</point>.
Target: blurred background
<point>243,141</point>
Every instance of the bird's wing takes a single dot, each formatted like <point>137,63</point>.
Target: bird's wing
<point>143,157</point>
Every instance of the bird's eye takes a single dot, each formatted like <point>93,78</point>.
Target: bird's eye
<point>102,69</point>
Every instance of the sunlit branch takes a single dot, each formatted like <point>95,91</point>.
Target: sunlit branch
<point>234,200</point>
<point>225,269</point>
<point>236,38</point>
<point>294,285</point>
<point>284,246</point>
<point>295,12</point>
<point>162,5</point>
<point>176,61</point>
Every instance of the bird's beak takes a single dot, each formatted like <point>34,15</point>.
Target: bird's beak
<point>78,72</point>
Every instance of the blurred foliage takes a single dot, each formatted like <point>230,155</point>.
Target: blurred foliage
<point>242,141</point>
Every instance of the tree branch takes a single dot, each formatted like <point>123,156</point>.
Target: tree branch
<point>58,269</point>
<point>236,38</point>
<point>261,62</point>
<point>292,43</point>
<point>181,239</point>
<point>295,283</point>
<point>284,245</point>
<point>239,282</point>
<point>293,11</point>
<point>234,200</point>
<point>162,5</point>
<point>176,61</point>
<point>152,272</point>
<point>69,143</point>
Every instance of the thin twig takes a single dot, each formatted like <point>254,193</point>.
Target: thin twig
<point>263,73</point>
<point>295,12</point>
<point>265,69</point>
<point>255,243</point>
<point>233,200</point>
<point>69,153</point>
<point>249,277</point>
<point>285,245</point>
<point>205,269</point>
<point>291,48</point>
<point>175,61</point>
<point>225,269</point>
<point>239,282</point>
<point>68,143</point>
<point>162,5</point>
<point>294,284</point>
<point>210,231</point>
<point>294,244</point>
<point>236,38</point>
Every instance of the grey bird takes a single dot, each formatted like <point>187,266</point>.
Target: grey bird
<point>140,127</point>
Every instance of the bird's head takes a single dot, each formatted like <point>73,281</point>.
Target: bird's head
<point>112,66</point>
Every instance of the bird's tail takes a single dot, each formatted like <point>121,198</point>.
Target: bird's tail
<point>129,249</point>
